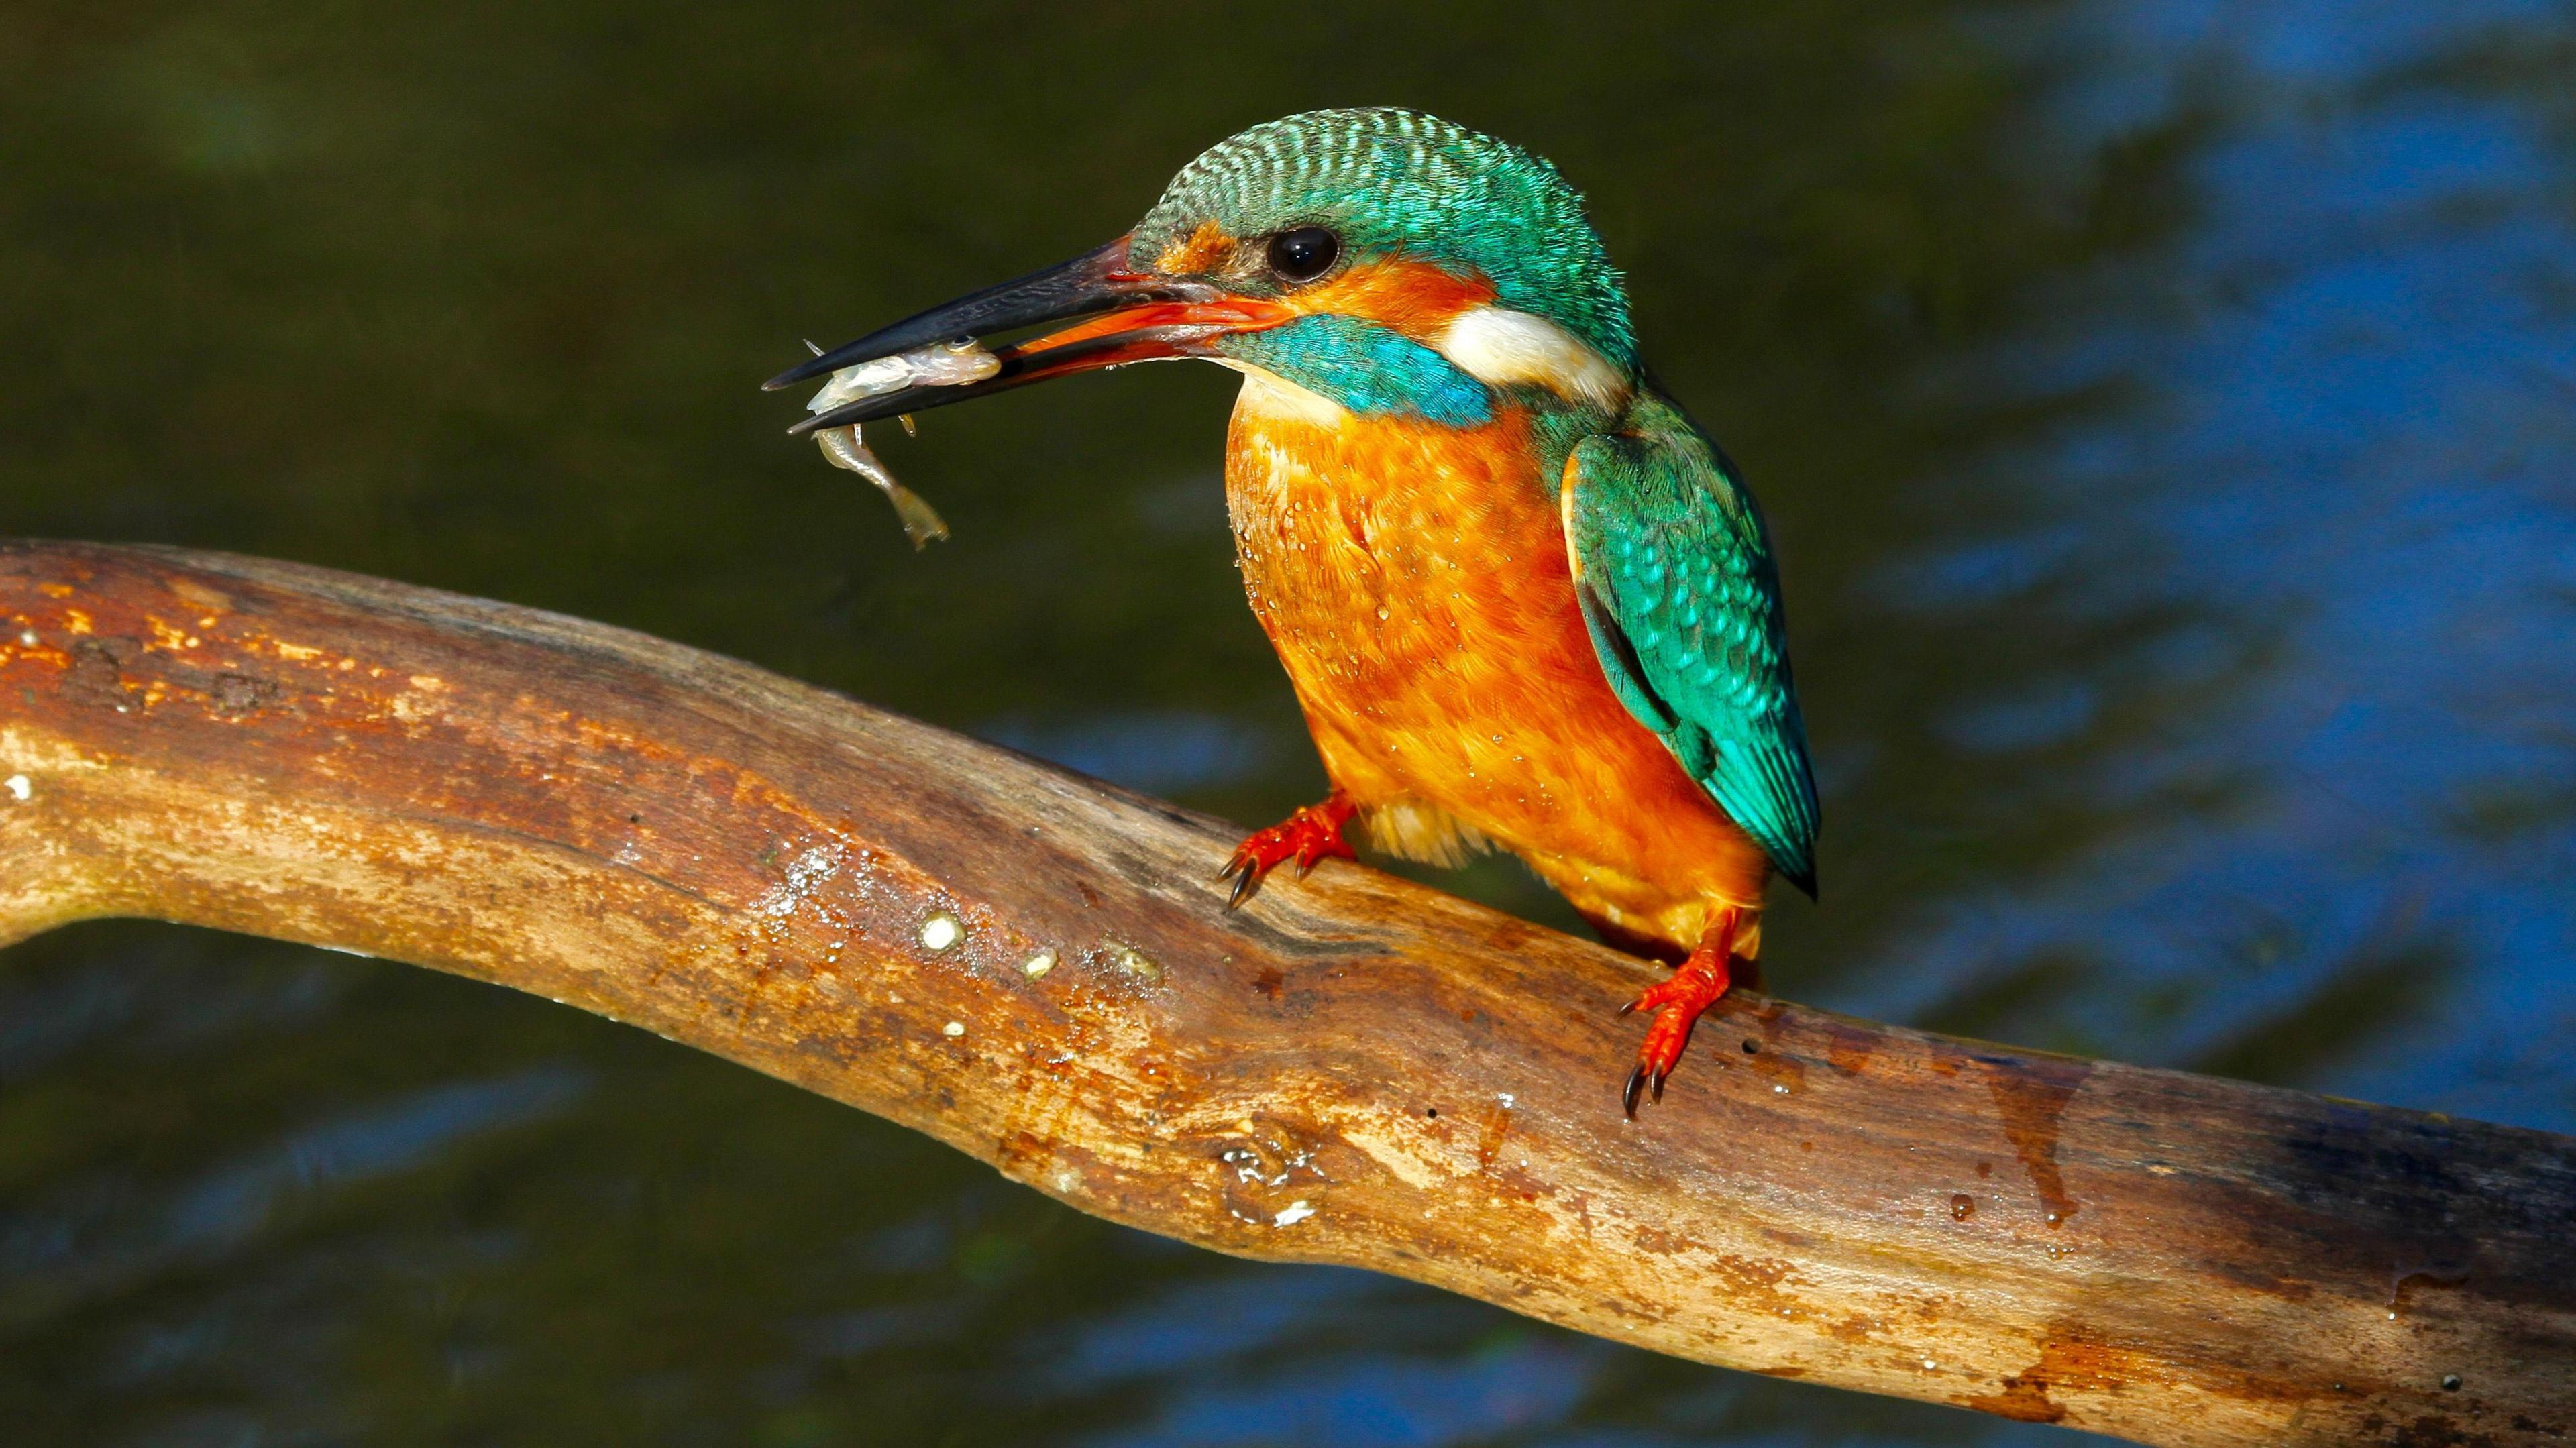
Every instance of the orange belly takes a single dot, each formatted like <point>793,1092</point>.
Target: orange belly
<point>1414,581</point>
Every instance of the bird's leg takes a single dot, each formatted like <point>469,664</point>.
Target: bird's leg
<point>1695,985</point>
<point>1312,834</point>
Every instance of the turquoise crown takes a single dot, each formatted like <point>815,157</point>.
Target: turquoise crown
<point>1396,181</point>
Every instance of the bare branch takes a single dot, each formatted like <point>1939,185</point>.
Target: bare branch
<point>1032,967</point>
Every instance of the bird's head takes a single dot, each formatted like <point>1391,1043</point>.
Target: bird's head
<point>1383,260</point>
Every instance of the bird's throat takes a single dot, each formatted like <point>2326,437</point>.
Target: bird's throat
<point>1272,398</point>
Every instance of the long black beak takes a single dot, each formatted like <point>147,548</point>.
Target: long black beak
<point>1166,316</point>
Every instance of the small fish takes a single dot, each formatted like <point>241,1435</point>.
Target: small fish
<point>942,364</point>
<point>921,522</point>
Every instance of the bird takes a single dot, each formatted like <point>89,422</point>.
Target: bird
<point>1524,601</point>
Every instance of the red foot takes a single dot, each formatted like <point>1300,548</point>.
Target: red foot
<point>1311,835</point>
<point>1696,984</point>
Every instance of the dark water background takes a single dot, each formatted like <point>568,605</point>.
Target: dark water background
<point>2166,412</point>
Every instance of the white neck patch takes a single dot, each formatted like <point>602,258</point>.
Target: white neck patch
<point>1501,347</point>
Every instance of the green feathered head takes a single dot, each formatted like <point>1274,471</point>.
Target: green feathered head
<point>1397,184</point>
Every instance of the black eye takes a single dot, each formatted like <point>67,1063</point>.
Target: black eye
<point>1304,254</point>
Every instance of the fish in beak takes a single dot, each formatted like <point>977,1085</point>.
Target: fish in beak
<point>1133,316</point>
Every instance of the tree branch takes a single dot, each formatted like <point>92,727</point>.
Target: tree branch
<point>1033,967</point>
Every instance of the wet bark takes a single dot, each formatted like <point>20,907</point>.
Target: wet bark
<point>1033,967</point>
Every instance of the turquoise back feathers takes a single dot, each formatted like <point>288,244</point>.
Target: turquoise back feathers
<point>1674,573</point>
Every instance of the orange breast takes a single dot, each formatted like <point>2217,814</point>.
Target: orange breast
<point>1414,582</point>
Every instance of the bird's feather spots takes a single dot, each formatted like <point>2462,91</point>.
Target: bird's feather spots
<point>1396,182</point>
<point>1657,525</point>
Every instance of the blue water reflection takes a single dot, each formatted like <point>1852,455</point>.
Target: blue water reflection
<point>2352,459</point>
<point>1379,1402</point>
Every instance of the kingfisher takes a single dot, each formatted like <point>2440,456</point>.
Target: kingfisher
<point>1524,601</point>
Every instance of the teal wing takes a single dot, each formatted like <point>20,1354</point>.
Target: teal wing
<point>1678,589</point>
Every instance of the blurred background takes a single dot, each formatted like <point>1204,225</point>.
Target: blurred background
<point>2165,410</point>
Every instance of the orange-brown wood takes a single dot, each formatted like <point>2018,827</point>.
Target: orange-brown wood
<point>1034,967</point>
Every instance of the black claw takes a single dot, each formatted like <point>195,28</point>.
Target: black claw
<point>1629,1009</point>
<point>1658,1089</point>
<point>1244,885</point>
<point>1628,1093</point>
